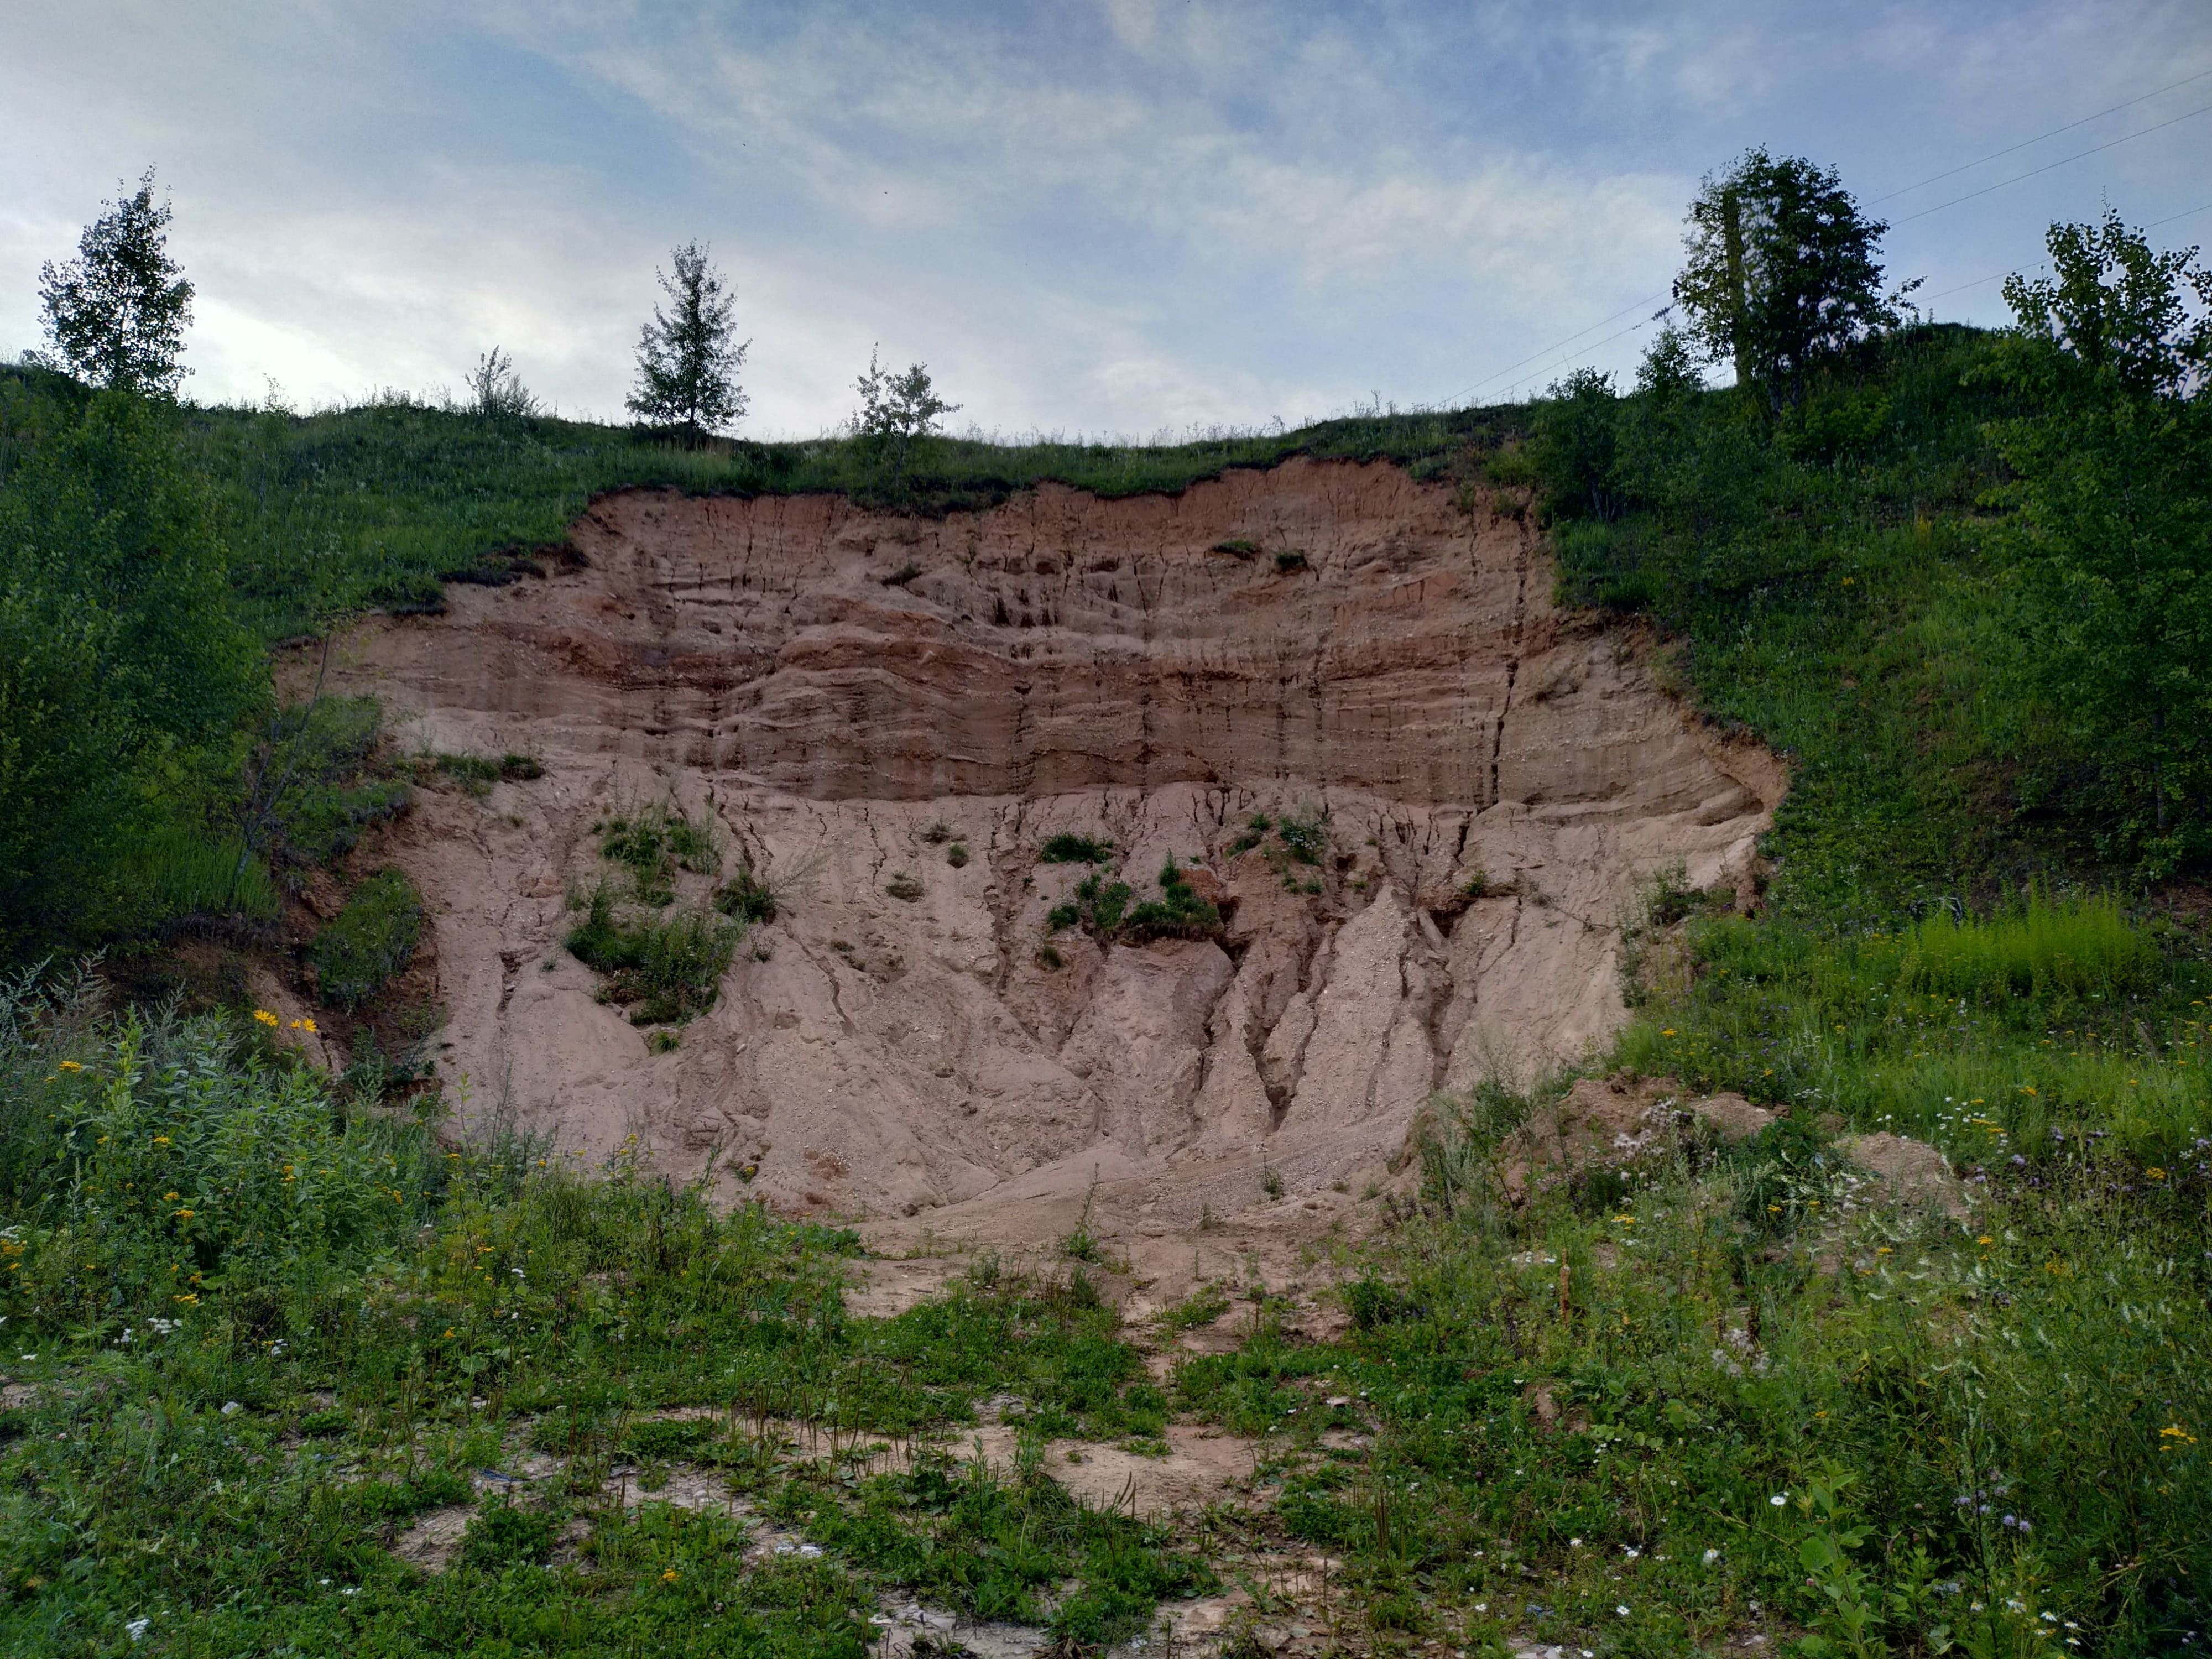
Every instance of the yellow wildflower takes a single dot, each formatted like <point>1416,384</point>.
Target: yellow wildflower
<point>266,1018</point>
<point>71,1066</point>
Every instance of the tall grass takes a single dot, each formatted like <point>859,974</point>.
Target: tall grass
<point>373,506</point>
<point>1994,1038</point>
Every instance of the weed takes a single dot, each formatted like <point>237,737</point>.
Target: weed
<point>903,887</point>
<point>746,897</point>
<point>1202,1307</point>
<point>1288,559</point>
<point>957,856</point>
<point>1069,848</point>
<point>1178,913</point>
<point>1238,548</point>
<point>664,969</point>
<point>1049,959</point>
<point>370,942</point>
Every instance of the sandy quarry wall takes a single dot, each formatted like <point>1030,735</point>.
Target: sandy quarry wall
<point>828,682</point>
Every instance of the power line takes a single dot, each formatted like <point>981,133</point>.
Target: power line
<point>2026,143</point>
<point>2190,214</point>
<point>2047,167</point>
<point>1558,344</point>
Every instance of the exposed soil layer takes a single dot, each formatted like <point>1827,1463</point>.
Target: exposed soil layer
<point>849,694</point>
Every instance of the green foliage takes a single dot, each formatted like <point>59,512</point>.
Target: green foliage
<point>1996,1038</point>
<point>369,943</point>
<point>1781,274</point>
<point>899,415</point>
<point>2070,951</point>
<point>1574,445</point>
<point>1069,848</point>
<point>315,783</point>
<point>497,390</point>
<point>653,843</point>
<point>746,897</point>
<point>688,356</point>
<point>2113,538</point>
<point>406,1306</point>
<point>1178,913</point>
<point>117,312</point>
<point>664,969</point>
<point>903,887</point>
<point>476,774</point>
<point>123,674</point>
<point>1846,609</point>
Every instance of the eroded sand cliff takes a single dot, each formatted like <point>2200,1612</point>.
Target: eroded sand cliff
<point>833,685</point>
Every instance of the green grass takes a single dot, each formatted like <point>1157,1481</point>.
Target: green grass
<point>369,943</point>
<point>1992,1040</point>
<point>376,505</point>
<point>284,1328</point>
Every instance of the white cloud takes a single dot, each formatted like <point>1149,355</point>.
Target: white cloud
<point>1125,215</point>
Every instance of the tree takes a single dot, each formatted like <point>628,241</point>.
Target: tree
<point>896,412</point>
<point>497,390</point>
<point>2114,535</point>
<point>117,312</point>
<point>125,671</point>
<point>1668,373</point>
<point>1782,271</point>
<point>1576,429</point>
<point>688,356</point>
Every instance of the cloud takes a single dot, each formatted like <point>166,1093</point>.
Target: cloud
<point>1121,215</point>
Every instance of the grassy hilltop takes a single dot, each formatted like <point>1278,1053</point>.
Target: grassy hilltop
<point>258,1321</point>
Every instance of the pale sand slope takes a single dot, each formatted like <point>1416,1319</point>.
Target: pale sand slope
<point>828,683</point>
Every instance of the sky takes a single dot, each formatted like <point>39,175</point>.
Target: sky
<point>1090,218</point>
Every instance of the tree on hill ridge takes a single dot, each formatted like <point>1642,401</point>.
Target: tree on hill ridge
<point>688,357</point>
<point>116,313</point>
<point>1782,271</point>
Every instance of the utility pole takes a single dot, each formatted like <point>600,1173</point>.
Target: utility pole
<point>1739,296</point>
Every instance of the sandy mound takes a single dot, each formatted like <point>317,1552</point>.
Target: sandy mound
<point>845,694</point>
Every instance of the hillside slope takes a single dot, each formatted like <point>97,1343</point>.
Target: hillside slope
<point>845,695</point>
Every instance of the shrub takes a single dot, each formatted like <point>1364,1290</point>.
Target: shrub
<point>1068,848</point>
<point>476,774</point>
<point>957,856</point>
<point>1178,913</point>
<point>665,971</point>
<point>656,841</point>
<point>370,942</point>
<point>746,897</point>
<point>903,888</point>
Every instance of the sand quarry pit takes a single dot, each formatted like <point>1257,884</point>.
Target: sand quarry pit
<point>849,694</point>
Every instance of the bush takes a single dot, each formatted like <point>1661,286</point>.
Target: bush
<point>746,897</point>
<point>370,942</point>
<point>665,971</point>
<point>1178,913</point>
<point>1068,848</point>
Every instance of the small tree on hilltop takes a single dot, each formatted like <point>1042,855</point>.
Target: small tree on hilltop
<point>1782,271</point>
<point>117,312</point>
<point>896,412</point>
<point>688,356</point>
